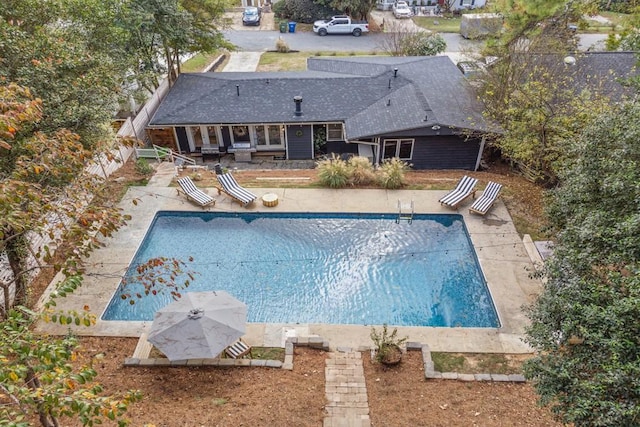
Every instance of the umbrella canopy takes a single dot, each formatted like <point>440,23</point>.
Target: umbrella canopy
<point>200,325</point>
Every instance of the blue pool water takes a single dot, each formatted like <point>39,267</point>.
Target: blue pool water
<point>323,268</point>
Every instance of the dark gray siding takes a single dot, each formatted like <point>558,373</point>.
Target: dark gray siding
<point>340,147</point>
<point>226,137</point>
<point>445,152</point>
<point>183,142</point>
<point>299,147</point>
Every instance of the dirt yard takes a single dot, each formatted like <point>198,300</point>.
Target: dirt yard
<point>398,396</point>
<point>186,397</point>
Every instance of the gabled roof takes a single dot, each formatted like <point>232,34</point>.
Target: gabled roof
<point>597,72</point>
<point>363,92</point>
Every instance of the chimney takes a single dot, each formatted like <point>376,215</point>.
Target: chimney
<point>238,90</point>
<point>298,101</point>
<point>395,73</point>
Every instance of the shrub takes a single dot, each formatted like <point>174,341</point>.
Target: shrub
<point>333,172</point>
<point>143,167</point>
<point>282,46</point>
<point>422,44</point>
<point>385,343</point>
<point>392,173</point>
<point>305,11</point>
<point>361,171</point>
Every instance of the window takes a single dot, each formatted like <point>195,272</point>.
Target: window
<point>261,137</point>
<point>213,135</point>
<point>197,136</point>
<point>334,132</point>
<point>467,2</point>
<point>401,148</point>
<point>275,135</point>
<point>269,137</point>
<point>240,133</point>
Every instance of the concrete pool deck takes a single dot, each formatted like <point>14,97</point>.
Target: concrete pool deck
<point>500,251</point>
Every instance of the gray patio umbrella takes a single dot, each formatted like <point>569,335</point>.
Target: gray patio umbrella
<point>200,325</point>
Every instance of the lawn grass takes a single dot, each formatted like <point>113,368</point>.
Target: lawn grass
<point>199,62</point>
<point>438,24</point>
<point>477,363</point>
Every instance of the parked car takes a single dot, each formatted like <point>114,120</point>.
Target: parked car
<point>251,16</point>
<point>340,25</point>
<point>402,10</point>
<point>384,4</point>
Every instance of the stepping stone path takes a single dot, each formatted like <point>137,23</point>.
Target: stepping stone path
<point>346,391</point>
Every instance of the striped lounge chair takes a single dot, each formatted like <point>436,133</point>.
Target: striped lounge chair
<point>193,193</point>
<point>464,189</point>
<point>238,350</point>
<point>230,187</point>
<point>488,198</point>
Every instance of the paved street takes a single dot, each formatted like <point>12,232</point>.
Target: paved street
<point>260,39</point>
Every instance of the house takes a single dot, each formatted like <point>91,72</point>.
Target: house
<point>601,73</point>
<point>419,109</point>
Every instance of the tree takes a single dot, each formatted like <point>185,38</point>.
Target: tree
<point>529,90</point>
<point>46,190</point>
<point>66,61</point>
<point>163,31</point>
<point>629,38</point>
<point>585,324</point>
<point>38,378</point>
<point>357,9</point>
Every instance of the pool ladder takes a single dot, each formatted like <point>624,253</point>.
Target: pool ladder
<point>405,212</point>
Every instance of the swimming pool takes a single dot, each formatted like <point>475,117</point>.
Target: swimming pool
<point>324,268</point>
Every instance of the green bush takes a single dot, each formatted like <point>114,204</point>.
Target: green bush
<point>392,173</point>
<point>305,11</point>
<point>143,167</point>
<point>361,171</point>
<point>333,172</point>
<point>422,44</point>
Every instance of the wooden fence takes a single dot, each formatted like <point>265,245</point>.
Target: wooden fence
<point>103,165</point>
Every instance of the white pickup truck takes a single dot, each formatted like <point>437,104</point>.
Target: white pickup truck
<point>340,25</point>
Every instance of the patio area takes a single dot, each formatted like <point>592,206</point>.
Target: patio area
<point>502,255</point>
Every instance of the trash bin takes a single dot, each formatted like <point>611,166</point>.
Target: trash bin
<point>292,27</point>
<point>283,27</point>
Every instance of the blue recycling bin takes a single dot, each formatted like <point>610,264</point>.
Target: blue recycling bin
<point>292,27</point>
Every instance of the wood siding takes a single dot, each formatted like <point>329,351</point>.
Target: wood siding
<point>162,137</point>
<point>299,147</point>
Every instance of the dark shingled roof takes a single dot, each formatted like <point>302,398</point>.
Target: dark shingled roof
<point>362,92</point>
<point>600,73</point>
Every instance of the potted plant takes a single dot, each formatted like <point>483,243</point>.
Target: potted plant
<point>387,345</point>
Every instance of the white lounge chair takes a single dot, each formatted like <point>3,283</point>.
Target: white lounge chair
<point>464,189</point>
<point>488,198</point>
<point>230,187</point>
<point>193,193</point>
<point>238,350</point>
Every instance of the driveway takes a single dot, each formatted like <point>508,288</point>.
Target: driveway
<point>234,20</point>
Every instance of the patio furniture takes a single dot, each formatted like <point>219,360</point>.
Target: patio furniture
<point>210,150</point>
<point>200,325</point>
<point>488,198</point>
<point>464,189</point>
<point>270,200</point>
<point>230,187</point>
<point>238,350</point>
<point>193,193</point>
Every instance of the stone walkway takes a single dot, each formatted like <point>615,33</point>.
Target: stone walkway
<point>346,391</point>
